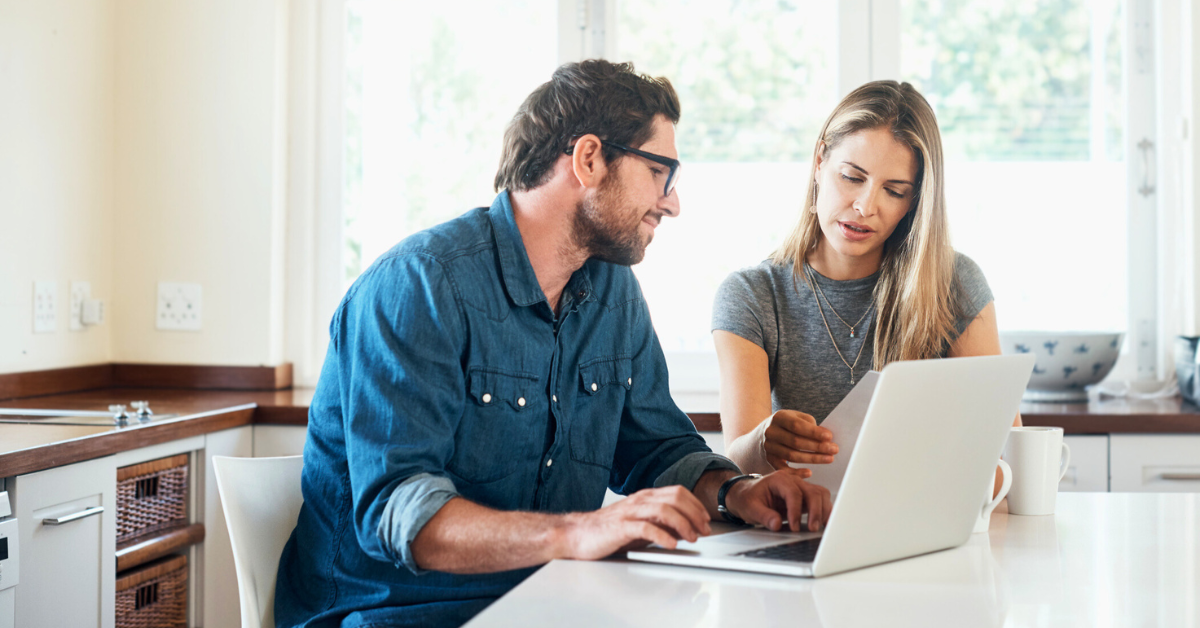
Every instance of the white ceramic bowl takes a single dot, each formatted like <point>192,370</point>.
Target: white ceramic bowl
<point>1067,361</point>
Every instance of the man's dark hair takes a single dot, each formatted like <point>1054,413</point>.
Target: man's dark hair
<point>596,96</point>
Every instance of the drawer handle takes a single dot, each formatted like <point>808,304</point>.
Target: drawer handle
<point>1181,476</point>
<point>82,514</point>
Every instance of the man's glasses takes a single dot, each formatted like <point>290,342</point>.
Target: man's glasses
<point>673,165</point>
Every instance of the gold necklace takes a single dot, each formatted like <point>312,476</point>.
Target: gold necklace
<point>830,332</point>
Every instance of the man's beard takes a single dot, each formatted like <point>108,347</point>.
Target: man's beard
<point>597,227</point>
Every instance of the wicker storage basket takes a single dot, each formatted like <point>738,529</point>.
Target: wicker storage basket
<point>151,496</point>
<point>153,596</point>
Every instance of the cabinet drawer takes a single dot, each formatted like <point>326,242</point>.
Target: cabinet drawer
<point>1088,469</point>
<point>67,566</point>
<point>1155,464</point>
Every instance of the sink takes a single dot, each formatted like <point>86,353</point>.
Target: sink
<point>69,417</point>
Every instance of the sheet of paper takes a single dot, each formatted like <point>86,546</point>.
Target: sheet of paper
<point>845,421</point>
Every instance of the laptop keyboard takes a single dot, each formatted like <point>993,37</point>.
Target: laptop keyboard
<point>797,551</point>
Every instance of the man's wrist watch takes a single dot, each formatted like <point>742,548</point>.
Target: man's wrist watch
<point>724,490</point>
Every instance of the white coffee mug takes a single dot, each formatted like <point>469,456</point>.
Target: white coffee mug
<point>990,503</point>
<point>1039,459</point>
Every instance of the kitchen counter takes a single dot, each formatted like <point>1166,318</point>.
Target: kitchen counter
<point>1103,560</point>
<point>27,448</point>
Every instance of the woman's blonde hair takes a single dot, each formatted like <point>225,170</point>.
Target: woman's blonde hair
<point>916,308</point>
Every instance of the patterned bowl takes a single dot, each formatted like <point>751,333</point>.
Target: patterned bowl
<point>1067,361</point>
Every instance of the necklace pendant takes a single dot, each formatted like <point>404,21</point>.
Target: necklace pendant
<point>853,334</point>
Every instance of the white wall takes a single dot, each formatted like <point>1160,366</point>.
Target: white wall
<point>143,140</point>
<point>57,97</point>
<point>200,172</point>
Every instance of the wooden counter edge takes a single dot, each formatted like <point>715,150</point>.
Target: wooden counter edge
<point>95,446</point>
<point>107,443</point>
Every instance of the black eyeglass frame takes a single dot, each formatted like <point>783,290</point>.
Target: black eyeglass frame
<point>673,164</point>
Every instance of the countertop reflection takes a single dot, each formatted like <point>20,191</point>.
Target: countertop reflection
<point>1119,559</point>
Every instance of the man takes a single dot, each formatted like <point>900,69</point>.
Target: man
<point>488,378</point>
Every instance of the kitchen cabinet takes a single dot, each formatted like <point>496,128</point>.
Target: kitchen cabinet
<point>68,574</point>
<point>279,440</point>
<point>1159,463</point>
<point>1088,469</point>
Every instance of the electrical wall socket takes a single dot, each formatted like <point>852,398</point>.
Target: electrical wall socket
<point>93,312</point>
<point>45,312</point>
<point>80,292</point>
<point>179,306</point>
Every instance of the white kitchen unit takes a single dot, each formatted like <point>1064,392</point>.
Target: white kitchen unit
<point>715,441</point>
<point>279,440</point>
<point>1088,469</point>
<point>67,519</point>
<point>1158,463</point>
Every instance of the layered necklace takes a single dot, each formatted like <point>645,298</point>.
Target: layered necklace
<point>819,295</point>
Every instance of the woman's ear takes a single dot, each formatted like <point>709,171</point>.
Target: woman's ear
<point>819,157</point>
<point>587,161</point>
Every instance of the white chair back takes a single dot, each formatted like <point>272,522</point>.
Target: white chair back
<point>261,498</point>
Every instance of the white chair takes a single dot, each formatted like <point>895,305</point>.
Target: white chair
<point>261,498</point>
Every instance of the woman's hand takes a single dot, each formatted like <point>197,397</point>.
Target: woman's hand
<point>790,436</point>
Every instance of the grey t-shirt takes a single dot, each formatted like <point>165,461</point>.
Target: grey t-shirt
<point>765,306</point>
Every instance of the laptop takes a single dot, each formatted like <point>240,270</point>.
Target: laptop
<point>914,481</point>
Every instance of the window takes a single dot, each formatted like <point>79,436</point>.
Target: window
<point>746,138</point>
<point>1040,113</point>
<point>1030,104</point>
<point>429,88</point>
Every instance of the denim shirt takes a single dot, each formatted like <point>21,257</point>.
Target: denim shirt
<point>448,374</point>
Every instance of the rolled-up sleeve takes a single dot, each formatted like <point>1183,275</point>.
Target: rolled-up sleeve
<point>399,336</point>
<point>412,504</point>
<point>687,471</point>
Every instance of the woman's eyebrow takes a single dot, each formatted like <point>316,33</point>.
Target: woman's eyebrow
<point>864,171</point>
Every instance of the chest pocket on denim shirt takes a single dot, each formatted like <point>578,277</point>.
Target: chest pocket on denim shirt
<point>601,399</point>
<point>503,425</point>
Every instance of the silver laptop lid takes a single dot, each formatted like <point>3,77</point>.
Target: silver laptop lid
<point>931,437</point>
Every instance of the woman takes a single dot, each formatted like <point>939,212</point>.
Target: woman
<point>866,277</point>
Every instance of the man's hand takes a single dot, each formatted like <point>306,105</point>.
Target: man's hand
<point>790,436</point>
<point>656,515</point>
<point>783,495</point>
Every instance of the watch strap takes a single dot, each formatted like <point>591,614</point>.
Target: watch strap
<point>724,490</point>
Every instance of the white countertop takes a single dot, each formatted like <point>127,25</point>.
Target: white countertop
<point>1105,559</point>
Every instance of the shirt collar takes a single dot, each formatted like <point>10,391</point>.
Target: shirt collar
<point>516,271</point>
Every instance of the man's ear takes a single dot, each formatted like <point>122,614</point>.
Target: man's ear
<point>587,161</point>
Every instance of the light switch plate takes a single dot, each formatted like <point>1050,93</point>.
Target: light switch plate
<point>80,292</point>
<point>45,312</point>
<point>179,306</point>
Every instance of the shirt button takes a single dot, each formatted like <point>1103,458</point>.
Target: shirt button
<point>549,462</point>
<point>554,398</point>
<point>629,381</point>
<point>521,402</point>
<point>582,293</point>
<point>487,397</point>
<point>595,387</point>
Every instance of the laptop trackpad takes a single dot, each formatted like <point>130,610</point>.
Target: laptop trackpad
<point>740,541</point>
